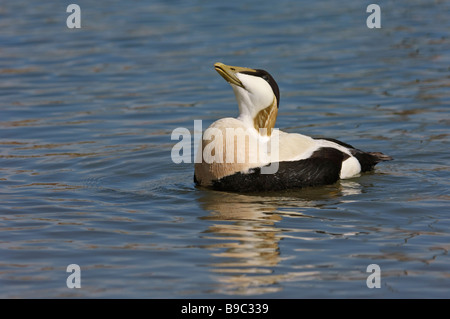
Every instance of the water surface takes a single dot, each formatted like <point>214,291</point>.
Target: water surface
<point>86,177</point>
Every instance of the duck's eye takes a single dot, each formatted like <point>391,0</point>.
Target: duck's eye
<point>265,77</point>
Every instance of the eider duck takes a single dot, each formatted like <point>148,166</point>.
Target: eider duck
<point>228,159</point>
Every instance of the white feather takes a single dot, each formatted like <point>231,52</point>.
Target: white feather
<point>256,96</point>
<point>350,168</point>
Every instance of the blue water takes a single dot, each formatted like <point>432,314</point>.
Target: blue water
<point>86,176</point>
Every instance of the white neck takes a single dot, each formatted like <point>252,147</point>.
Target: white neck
<point>244,102</point>
<point>247,120</point>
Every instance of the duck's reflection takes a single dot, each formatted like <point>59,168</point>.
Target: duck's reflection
<point>244,238</point>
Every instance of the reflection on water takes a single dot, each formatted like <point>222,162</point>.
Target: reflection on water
<point>246,236</point>
<point>247,241</point>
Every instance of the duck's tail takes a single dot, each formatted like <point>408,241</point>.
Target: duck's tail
<point>380,156</point>
<point>368,160</point>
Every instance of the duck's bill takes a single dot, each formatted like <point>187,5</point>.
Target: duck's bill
<point>229,72</point>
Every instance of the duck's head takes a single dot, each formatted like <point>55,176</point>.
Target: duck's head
<point>257,94</point>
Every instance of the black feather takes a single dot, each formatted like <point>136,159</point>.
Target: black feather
<point>335,141</point>
<point>367,160</point>
<point>322,168</point>
<point>266,76</point>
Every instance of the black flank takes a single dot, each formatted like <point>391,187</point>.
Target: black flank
<point>322,168</point>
